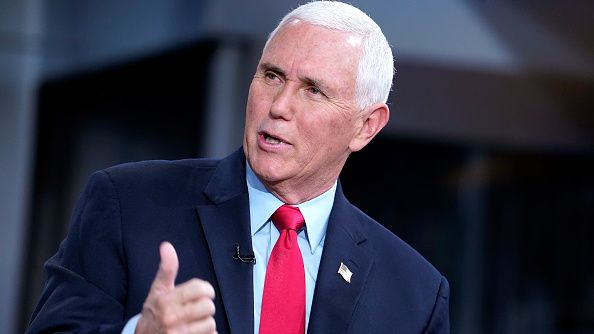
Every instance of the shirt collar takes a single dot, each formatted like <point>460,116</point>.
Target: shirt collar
<point>263,204</point>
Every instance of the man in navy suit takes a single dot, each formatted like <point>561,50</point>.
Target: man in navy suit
<point>204,226</point>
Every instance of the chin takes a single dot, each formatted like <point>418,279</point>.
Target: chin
<point>268,171</point>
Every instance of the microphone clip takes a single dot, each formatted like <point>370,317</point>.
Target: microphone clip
<point>250,258</point>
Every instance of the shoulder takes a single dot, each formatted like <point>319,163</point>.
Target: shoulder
<point>394,255</point>
<point>390,249</point>
<point>159,181</point>
<point>399,276</point>
<point>162,170</point>
<point>390,253</point>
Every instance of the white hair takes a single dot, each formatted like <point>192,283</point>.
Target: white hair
<point>376,65</point>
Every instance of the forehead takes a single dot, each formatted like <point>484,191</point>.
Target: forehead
<point>303,49</point>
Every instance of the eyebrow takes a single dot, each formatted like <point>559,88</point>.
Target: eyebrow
<point>272,67</point>
<point>307,80</point>
<point>316,83</point>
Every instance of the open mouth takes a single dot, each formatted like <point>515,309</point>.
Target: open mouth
<point>270,139</point>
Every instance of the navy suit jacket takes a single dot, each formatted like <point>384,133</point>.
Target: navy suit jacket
<point>102,272</point>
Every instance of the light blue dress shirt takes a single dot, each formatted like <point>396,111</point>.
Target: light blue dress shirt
<point>311,240</point>
<point>264,235</point>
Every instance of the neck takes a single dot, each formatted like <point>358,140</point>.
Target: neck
<point>296,192</point>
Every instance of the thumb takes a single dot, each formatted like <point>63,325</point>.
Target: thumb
<point>167,272</point>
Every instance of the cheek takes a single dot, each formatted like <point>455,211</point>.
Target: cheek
<point>252,112</point>
<point>317,134</point>
<point>328,135</point>
<point>326,124</point>
<point>257,104</point>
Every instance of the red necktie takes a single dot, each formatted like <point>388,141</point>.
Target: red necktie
<point>283,302</point>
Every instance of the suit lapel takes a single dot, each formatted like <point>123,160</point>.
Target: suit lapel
<point>225,223</point>
<point>334,298</point>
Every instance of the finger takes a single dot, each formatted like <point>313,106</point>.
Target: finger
<point>194,311</point>
<point>201,308</point>
<point>192,290</point>
<point>203,326</point>
<point>168,267</point>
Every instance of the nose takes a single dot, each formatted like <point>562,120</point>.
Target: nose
<point>283,104</point>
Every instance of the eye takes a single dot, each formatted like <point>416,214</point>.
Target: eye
<point>314,90</point>
<point>271,76</point>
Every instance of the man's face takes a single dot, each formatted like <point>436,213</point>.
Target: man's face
<point>301,114</point>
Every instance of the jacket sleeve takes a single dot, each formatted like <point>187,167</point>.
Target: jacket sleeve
<point>85,288</point>
<point>439,323</point>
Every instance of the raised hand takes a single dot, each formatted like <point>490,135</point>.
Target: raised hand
<point>186,308</point>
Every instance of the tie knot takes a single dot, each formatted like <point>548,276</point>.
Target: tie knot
<point>288,217</point>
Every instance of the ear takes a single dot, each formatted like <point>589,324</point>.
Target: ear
<point>373,119</point>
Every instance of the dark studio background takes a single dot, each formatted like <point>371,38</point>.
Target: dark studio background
<point>486,167</point>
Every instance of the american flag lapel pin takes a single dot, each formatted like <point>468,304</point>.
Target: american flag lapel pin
<point>345,272</point>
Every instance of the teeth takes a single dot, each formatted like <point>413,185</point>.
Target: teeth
<point>271,140</point>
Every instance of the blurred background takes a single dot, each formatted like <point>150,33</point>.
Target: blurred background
<point>486,167</point>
